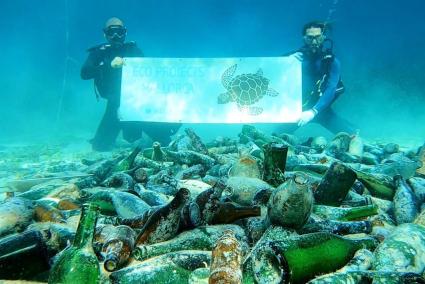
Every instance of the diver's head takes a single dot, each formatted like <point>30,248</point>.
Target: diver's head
<point>314,36</point>
<point>115,31</point>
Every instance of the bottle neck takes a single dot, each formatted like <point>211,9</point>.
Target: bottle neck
<point>229,212</point>
<point>85,230</point>
<point>111,262</point>
<point>130,159</point>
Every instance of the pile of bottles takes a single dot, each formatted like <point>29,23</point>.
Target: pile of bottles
<point>257,209</point>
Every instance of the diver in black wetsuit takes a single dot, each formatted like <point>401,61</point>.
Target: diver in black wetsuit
<point>321,82</point>
<point>104,64</point>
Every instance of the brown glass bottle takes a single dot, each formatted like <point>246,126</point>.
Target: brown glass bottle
<point>118,247</point>
<point>164,223</point>
<point>226,260</point>
<point>208,202</point>
<point>228,212</point>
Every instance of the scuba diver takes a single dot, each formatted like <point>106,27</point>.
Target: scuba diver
<point>321,83</point>
<point>104,64</point>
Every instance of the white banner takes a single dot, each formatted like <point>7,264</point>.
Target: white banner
<point>211,90</point>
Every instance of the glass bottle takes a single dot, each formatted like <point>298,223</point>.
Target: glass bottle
<point>335,185</point>
<point>164,223</point>
<point>127,163</point>
<point>290,205</point>
<point>274,163</point>
<point>228,212</point>
<point>118,247</point>
<point>318,224</point>
<point>345,214</point>
<point>405,202</point>
<point>300,258</point>
<point>201,238</point>
<point>226,260</point>
<point>24,255</point>
<point>78,262</point>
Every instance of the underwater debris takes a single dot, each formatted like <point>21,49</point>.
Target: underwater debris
<point>160,218</point>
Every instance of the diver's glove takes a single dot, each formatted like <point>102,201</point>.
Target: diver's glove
<point>117,62</point>
<point>307,116</point>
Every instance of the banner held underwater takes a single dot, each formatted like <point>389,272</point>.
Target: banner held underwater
<point>211,90</point>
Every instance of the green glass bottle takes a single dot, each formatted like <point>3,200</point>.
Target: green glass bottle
<point>127,163</point>
<point>78,263</point>
<point>173,267</point>
<point>300,258</point>
<point>345,214</point>
<point>379,185</point>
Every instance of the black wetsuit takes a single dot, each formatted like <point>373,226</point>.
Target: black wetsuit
<point>108,85</point>
<point>321,86</point>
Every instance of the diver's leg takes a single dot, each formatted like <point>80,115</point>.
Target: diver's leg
<point>161,131</point>
<point>107,130</point>
<point>334,123</point>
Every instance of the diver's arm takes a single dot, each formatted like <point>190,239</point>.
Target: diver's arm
<point>92,67</point>
<point>132,50</point>
<point>329,93</point>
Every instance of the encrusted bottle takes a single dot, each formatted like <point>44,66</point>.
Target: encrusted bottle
<point>118,247</point>
<point>201,238</point>
<point>208,201</point>
<point>226,260</point>
<point>164,223</point>
<point>174,267</point>
<point>16,214</point>
<point>300,258</point>
<point>345,213</point>
<point>78,263</point>
<point>356,145</point>
<point>158,154</point>
<point>405,202</point>
<point>274,163</point>
<point>335,185</point>
<point>318,224</point>
<point>379,185</point>
<point>290,205</point>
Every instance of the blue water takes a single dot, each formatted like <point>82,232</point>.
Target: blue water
<point>380,44</point>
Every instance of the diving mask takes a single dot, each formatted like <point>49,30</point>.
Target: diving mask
<point>115,32</point>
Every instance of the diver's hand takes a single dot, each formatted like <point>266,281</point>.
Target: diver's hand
<point>306,117</point>
<point>117,62</point>
<point>298,55</point>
